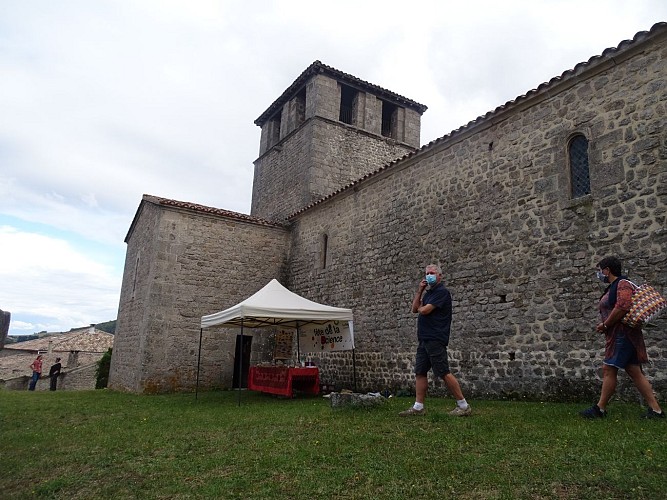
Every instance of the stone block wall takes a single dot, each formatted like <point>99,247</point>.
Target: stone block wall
<point>491,204</point>
<point>79,379</point>
<point>190,264</point>
<point>343,154</point>
<point>279,175</point>
<point>408,126</point>
<point>314,161</point>
<point>135,300</point>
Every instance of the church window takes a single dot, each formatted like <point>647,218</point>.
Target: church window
<point>348,101</point>
<point>580,182</point>
<point>136,272</point>
<point>300,102</point>
<point>274,129</point>
<point>389,119</point>
<point>324,250</point>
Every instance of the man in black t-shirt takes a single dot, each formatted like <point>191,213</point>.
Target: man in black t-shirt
<point>53,373</point>
<point>433,302</point>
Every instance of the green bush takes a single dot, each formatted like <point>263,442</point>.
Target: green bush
<point>102,372</point>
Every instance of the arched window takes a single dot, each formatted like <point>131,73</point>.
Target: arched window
<point>580,181</point>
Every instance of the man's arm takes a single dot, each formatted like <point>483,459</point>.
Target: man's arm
<point>427,309</point>
<point>417,306</point>
<point>417,300</point>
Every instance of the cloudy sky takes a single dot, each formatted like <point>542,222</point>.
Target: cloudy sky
<point>103,101</point>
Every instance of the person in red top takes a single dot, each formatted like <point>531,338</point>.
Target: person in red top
<point>36,367</point>
<point>624,346</point>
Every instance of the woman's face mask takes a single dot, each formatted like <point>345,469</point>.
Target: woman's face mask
<point>602,277</point>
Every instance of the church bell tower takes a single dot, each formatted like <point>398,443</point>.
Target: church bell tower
<point>326,130</point>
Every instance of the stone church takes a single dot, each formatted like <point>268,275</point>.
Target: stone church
<point>517,207</point>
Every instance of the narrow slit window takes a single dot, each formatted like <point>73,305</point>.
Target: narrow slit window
<point>300,107</point>
<point>579,168</point>
<point>136,272</point>
<point>389,119</point>
<point>274,131</point>
<point>348,99</point>
<point>324,251</point>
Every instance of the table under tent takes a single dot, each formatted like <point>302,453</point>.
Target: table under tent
<point>319,328</point>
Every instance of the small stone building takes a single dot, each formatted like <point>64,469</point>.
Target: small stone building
<point>517,206</point>
<point>79,351</point>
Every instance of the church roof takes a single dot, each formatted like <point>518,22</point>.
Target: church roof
<point>195,207</point>
<point>318,68</point>
<point>79,339</point>
<point>609,57</point>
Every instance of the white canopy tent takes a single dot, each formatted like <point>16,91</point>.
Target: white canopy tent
<point>275,305</point>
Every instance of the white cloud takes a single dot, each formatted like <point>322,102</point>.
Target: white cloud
<point>47,278</point>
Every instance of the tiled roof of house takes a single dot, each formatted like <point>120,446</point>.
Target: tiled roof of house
<point>316,68</point>
<point>607,56</point>
<point>35,345</point>
<point>195,207</point>
<point>86,341</point>
<point>80,339</point>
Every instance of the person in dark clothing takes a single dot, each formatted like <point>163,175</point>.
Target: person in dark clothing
<point>53,374</point>
<point>433,303</point>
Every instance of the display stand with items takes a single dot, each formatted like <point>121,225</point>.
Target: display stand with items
<point>319,328</point>
<point>281,377</point>
<point>284,380</point>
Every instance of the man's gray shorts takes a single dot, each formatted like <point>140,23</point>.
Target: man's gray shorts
<point>432,354</point>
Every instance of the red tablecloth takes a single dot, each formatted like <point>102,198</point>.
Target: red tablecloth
<point>283,380</point>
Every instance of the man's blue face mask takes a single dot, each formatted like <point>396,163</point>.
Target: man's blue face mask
<point>431,279</point>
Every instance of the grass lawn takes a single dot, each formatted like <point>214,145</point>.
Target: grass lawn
<point>102,444</point>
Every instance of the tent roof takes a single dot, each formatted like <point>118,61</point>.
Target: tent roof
<point>275,305</point>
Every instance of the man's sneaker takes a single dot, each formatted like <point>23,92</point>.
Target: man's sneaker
<point>651,413</point>
<point>410,412</point>
<point>593,412</point>
<point>461,412</point>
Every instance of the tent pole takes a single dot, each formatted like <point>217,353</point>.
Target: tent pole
<point>354,370</point>
<point>201,331</point>
<point>238,389</point>
<point>298,346</point>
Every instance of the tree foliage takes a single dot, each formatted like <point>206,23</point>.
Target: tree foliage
<point>102,372</point>
<point>107,326</point>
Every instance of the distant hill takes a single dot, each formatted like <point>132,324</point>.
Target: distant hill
<point>108,326</point>
<point>12,339</point>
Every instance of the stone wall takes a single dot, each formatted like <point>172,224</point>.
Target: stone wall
<point>314,161</point>
<point>79,379</point>
<point>190,264</point>
<point>491,204</point>
<point>5,318</point>
<point>319,154</point>
<point>135,299</point>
